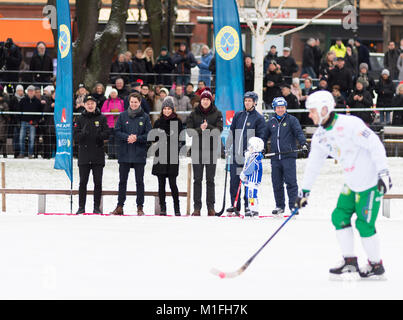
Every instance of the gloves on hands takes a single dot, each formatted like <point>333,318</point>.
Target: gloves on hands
<point>243,177</point>
<point>305,148</point>
<point>302,199</point>
<point>384,181</point>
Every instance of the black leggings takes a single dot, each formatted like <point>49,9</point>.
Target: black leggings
<point>174,191</point>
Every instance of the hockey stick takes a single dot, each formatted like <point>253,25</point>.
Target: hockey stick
<point>281,153</point>
<point>218,214</point>
<point>238,272</point>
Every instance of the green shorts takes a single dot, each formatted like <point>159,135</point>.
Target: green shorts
<point>365,204</point>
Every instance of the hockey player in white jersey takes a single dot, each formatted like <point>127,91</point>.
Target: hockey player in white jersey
<point>251,175</point>
<point>363,159</point>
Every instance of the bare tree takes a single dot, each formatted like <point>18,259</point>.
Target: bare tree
<point>260,31</point>
<point>93,52</point>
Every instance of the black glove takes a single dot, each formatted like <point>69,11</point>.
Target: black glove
<point>384,181</point>
<point>302,199</point>
<point>305,148</point>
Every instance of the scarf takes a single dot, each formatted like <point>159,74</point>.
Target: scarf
<point>133,113</point>
<point>204,110</point>
<point>170,117</point>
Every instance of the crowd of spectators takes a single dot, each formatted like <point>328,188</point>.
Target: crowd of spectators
<point>343,70</point>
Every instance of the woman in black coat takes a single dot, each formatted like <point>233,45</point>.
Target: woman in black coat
<point>398,102</point>
<point>90,131</point>
<point>361,98</point>
<point>385,90</point>
<point>271,83</point>
<point>166,162</point>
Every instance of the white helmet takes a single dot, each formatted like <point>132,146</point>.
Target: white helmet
<point>318,100</point>
<point>256,144</point>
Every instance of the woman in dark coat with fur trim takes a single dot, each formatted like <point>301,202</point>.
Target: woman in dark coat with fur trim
<point>166,162</point>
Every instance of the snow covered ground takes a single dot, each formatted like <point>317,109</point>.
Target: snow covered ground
<point>152,257</point>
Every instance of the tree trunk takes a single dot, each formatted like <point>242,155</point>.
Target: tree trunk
<point>92,54</point>
<point>161,21</point>
<point>259,56</point>
<point>155,23</point>
<point>100,59</point>
<point>87,13</point>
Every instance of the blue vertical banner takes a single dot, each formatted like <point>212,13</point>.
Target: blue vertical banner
<point>229,61</point>
<point>63,113</point>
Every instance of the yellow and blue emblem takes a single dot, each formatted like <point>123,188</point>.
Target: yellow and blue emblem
<point>227,43</point>
<point>64,40</point>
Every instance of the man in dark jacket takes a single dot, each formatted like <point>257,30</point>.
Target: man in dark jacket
<point>90,131</point>
<point>284,130</point>
<point>308,59</point>
<point>390,61</point>
<point>42,62</point>
<point>29,104</point>
<point>120,69</point>
<point>184,61</point>
<point>291,99</point>
<point>245,124</point>
<point>204,125</point>
<point>270,56</point>
<point>164,67</point>
<point>288,65</point>
<point>131,130</point>
<point>139,67</point>
<point>363,53</point>
<point>342,77</point>
<point>12,61</point>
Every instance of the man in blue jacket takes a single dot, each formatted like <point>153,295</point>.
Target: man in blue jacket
<point>131,130</point>
<point>284,130</point>
<point>245,124</point>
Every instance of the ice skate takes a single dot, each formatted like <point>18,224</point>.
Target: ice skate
<point>373,271</point>
<point>248,213</point>
<point>346,270</point>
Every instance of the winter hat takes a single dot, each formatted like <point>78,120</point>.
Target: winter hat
<point>364,65</point>
<point>164,48</point>
<point>113,90</point>
<point>165,90</point>
<point>168,103</point>
<point>88,98</point>
<point>49,89</point>
<point>31,87</point>
<point>206,94</point>
<point>19,87</point>
<point>385,71</point>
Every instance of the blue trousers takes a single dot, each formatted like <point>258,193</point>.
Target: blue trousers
<point>32,133</point>
<point>284,172</point>
<point>124,169</point>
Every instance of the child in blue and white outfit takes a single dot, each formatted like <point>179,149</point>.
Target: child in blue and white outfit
<point>251,175</point>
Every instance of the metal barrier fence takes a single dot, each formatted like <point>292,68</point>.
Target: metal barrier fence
<point>39,139</point>
<point>150,77</point>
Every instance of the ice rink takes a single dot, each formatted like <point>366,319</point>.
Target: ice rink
<point>153,257</point>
